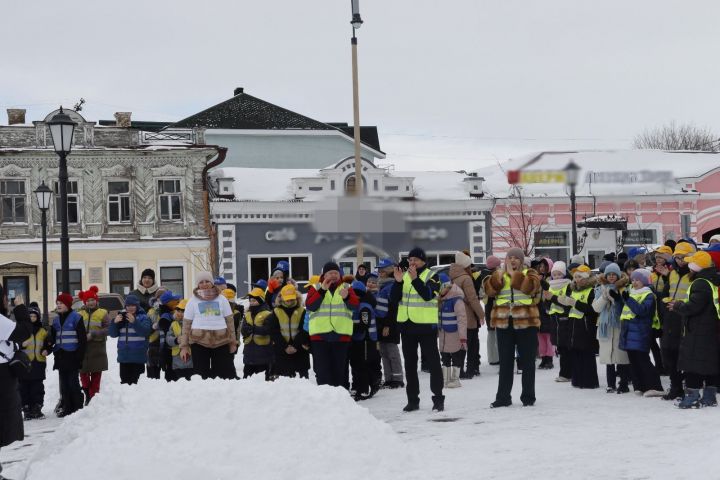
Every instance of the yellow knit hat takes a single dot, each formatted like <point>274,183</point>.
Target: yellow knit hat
<point>684,249</point>
<point>229,294</point>
<point>701,259</point>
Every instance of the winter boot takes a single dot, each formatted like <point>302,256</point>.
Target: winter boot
<point>691,400</point>
<point>673,394</point>
<point>446,375</point>
<point>498,404</point>
<point>438,403</point>
<point>709,398</point>
<point>454,380</point>
<point>549,364</point>
<point>412,405</point>
<point>37,413</point>
<point>465,374</point>
<point>26,412</point>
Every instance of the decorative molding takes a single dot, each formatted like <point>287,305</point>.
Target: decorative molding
<point>168,171</point>
<point>115,171</point>
<point>12,170</point>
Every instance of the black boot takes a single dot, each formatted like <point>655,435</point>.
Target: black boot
<point>36,411</point>
<point>26,412</point>
<point>549,363</point>
<point>411,406</point>
<point>438,403</point>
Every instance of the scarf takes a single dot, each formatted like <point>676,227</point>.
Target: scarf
<point>208,294</point>
<point>558,283</point>
<point>147,291</point>
<point>610,314</point>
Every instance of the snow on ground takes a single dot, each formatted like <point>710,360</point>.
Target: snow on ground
<point>294,429</point>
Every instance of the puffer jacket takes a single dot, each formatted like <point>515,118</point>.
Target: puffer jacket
<point>699,345</point>
<point>523,316</point>
<point>450,342</point>
<point>672,328</point>
<point>473,309</point>
<point>128,352</point>
<point>636,333</point>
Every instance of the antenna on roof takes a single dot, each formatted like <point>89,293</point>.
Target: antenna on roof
<point>78,106</point>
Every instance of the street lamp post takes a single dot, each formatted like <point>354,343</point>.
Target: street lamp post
<point>61,130</point>
<point>43,195</point>
<point>572,172</point>
<point>356,23</point>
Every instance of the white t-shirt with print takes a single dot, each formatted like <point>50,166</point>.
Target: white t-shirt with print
<point>208,314</point>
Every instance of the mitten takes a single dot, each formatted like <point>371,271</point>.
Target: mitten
<point>565,300</point>
<point>273,285</point>
<point>625,294</point>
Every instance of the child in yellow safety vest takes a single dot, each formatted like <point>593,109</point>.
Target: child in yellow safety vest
<point>256,332</point>
<point>32,388</point>
<point>559,285</point>
<point>180,368</point>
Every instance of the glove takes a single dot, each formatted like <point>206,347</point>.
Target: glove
<point>625,294</point>
<point>614,294</point>
<point>565,300</point>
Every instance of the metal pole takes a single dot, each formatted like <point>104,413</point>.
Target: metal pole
<point>574,224</point>
<point>358,160</point>
<point>46,318</point>
<point>64,238</point>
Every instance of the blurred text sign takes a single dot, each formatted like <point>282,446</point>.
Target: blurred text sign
<point>643,176</point>
<point>536,176</point>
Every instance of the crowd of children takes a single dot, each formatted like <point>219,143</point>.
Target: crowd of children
<point>535,308</point>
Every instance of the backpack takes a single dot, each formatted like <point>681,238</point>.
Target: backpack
<point>19,364</point>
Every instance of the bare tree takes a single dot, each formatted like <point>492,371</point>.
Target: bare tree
<point>678,137</point>
<point>522,224</point>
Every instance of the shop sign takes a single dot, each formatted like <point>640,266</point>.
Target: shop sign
<point>282,235</point>
<point>536,176</point>
<point>431,234</point>
<point>551,239</point>
<point>336,237</point>
<point>639,237</point>
<point>643,176</point>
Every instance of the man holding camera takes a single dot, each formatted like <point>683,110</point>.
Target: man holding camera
<point>415,294</point>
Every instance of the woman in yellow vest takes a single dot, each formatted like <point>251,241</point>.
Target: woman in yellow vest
<point>699,350</point>
<point>256,329</point>
<point>559,285</point>
<point>32,388</point>
<point>330,304</point>
<point>675,290</point>
<point>516,317</point>
<point>583,325</point>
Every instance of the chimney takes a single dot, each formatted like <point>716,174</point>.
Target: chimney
<point>237,91</point>
<point>16,116</point>
<point>122,119</point>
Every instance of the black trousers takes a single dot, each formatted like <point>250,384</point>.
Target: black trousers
<point>153,371</point>
<point>695,380</point>
<point>566,362</point>
<point>330,362</point>
<point>584,373</point>
<point>670,361</point>
<point>130,372</point>
<point>32,392</point>
<point>644,374</point>
<point>70,390</point>
<point>525,339</point>
<point>250,370</point>
<point>185,373</point>
<point>614,371</point>
<point>656,354</point>
<point>454,359</point>
<point>213,362</point>
<point>364,365</point>
<point>429,350</point>
<point>473,350</point>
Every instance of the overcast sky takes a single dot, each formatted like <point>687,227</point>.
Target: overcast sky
<point>477,79</point>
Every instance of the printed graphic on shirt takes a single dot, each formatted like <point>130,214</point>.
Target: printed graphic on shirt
<point>209,309</point>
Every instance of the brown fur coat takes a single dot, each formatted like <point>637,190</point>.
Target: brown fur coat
<point>523,316</point>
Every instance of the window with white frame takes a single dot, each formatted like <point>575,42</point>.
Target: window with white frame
<point>261,267</point>
<point>118,201</point>
<point>172,278</point>
<point>170,200</point>
<point>75,275</point>
<point>121,280</point>
<point>12,201</point>
<point>73,210</point>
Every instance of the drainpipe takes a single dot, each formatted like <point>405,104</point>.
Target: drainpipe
<point>209,228</point>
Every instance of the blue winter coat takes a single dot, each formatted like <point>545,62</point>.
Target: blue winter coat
<point>129,351</point>
<point>636,334</point>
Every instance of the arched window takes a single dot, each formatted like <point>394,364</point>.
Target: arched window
<point>350,185</point>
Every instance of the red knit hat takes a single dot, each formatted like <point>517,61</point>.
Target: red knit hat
<point>92,292</point>
<point>66,299</point>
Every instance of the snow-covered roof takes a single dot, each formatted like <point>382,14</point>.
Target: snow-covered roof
<point>679,164</point>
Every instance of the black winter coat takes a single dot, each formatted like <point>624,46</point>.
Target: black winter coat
<point>11,421</point>
<point>671,321</point>
<point>563,325</point>
<point>699,346</point>
<point>584,330</point>
<point>287,364</point>
<point>547,323</point>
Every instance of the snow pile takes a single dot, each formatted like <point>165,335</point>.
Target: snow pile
<point>222,429</point>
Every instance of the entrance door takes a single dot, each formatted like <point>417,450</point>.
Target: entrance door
<point>595,258</point>
<point>348,265</point>
<point>15,286</point>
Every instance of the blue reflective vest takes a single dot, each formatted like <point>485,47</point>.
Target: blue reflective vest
<point>66,334</point>
<point>447,316</point>
<point>129,338</point>
<point>360,330</point>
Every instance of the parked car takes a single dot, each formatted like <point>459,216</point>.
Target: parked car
<point>112,302</point>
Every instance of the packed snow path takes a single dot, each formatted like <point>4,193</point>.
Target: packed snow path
<point>292,429</point>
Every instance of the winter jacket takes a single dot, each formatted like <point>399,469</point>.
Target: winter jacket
<point>386,312</point>
<point>427,291</point>
<point>129,350</point>
<point>489,302</point>
<point>547,322</point>
<point>699,345</point>
<point>559,313</point>
<point>293,335</point>
<point>473,309</point>
<point>96,359</point>
<point>676,290</point>
<point>256,330</point>
<point>145,295</point>
<point>636,333</point>
<point>68,360</point>
<point>523,316</point>
<point>11,420</point>
<point>609,304</point>
<point>584,328</point>
<point>33,347</point>
<point>364,322</point>
<point>452,307</point>
<point>314,299</point>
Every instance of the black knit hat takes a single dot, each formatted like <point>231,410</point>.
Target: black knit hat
<point>331,266</point>
<point>418,252</point>
<point>148,272</point>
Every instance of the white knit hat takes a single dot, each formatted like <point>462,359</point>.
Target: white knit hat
<point>559,266</point>
<point>463,260</point>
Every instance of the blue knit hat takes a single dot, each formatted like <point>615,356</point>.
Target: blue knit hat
<point>443,277</point>
<point>132,300</point>
<point>358,286</point>
<point>612,268</point>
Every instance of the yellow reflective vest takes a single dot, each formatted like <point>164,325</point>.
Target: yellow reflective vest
<point>332,316</point>
<point>555,308</point>
<point>714,290</point>
<point>413,307</point>
<point>509,295</point>
<point>176,328</point>
<point>258,321</point>
<point>581,296</point>
<point>679,286</point>
<point>33,346</point>
<point>93,322</point>
<point>627,313</point>
<point>289,325</point>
